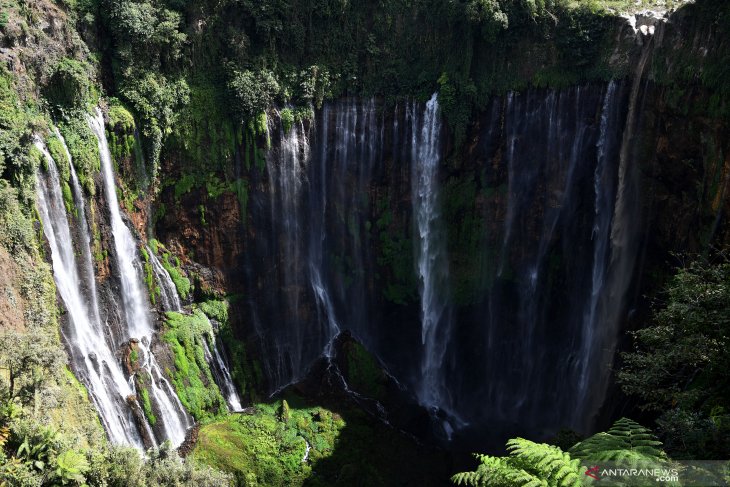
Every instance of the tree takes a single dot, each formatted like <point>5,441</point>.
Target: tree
<point>30,360</point>
<point>679,363</point>
<point>253,92</point>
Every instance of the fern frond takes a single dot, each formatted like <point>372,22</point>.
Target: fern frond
<point>625,441</point>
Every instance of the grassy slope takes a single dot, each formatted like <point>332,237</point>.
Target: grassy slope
<point>347,448</point>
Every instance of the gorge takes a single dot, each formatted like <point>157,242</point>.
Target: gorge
<point>307,255</point>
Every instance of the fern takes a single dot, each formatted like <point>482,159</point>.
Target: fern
<point>532,464</point>
<point>626,442</point>
<point>529,464</point>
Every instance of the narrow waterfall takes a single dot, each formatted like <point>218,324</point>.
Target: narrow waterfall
<point>168,292</point>
<point>221,372</point>
<point>625,229</point>
<point>603,184</point>
<point>431,260</point>
<point>92,357</point>
<point>318,236</point>
<point>216,361</point>
<point>174,419</point>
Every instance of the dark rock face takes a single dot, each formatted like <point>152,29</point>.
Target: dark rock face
<point>561,211</point>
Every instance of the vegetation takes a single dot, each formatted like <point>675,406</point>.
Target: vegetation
<point>679,365</point>
<point>192,378</point>
<point>245,373</point>
<point>269,447</point>
<point>529,463</point>
<point>364,374</point>
<point>172,266</point>
<point>293,442</point>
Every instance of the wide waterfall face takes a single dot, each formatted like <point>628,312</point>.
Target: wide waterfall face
<point>313,263</point>
<point>541,328</point>
<point>363,186</point>
<point>92,355</point>
<point>174,418</point>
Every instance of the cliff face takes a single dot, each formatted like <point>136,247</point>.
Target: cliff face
<point>488,249</point>
<point>561,212</point>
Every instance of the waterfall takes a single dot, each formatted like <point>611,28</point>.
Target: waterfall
<point>345,201</point>
<point>624,234</point>
<point>221,372</point>
<point>92,357</point>
<point>285,170</point>
<point>311,271</point>
<point>603,185</point>
<point>430,250</point>
<point>218,364</point>
<point>168,292</point>
<point>318,236</point>
<point>175,420</point>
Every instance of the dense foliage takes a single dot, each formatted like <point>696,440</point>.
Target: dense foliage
<point>679,365</point>
<point>528,463</point>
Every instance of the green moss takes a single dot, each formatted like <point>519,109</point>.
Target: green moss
<point>68,199</point>
<point>55,148</point>
<point>134,356</point>
<point>287,119</point>
<point>201,212</point>
<point>267,448</point>
<point>243,371</point>
<point>172,266</point>
<point>147,407</point>
<point>364,373</point>
<point>84,149</point>
<point>241,189</point>
<point>191,376</point>
<point>218,310</point>
<point>149,278</point>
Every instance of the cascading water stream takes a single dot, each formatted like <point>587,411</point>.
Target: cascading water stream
<point>168,292</point>
<point>430,250</point>
<point>216,361</point>
<point>221,372</point>
<point>174,419</point>
<point>603,185</point>
<point>93,360</point>
<point>286,173</point>
<point>624,237</point>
